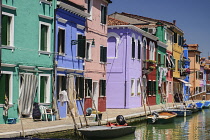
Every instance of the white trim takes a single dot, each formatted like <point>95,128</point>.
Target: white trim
<point>161,44</point>
<point>7,65</point>
<point>81,27</point>
<point>62,20</point>
<point>9,7</point>
<point>43,68</point>
<point>146,34</point>
<point>48,37</point>
<point>11,29</point>
<point>47,96</point>
<point>10,85</point>
<point>26,67</point>
<point>91,9</point>
<point>45,17</point>
<point>72,9</point>
<point>89,51</point>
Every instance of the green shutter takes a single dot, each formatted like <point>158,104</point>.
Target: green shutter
<point>43,38</point>
<point>81,87</point>
<point>42,88</point>
<point>105,13</point>
<point>102,13</point>
<point>81,46</point>
<point>104,87</point>
<point>2,88</point>
<point>101,53</point>
<point>139,50</point>
<point>4,30</point>
<point>104,54</point>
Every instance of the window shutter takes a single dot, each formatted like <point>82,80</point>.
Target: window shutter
<point>4,29</point>
<point>104,54</point>
<point>81,87</point>
<point>101,53</point>
<point>133,48</point>
<point>42,89</point>
<point>175,37</point>
<point>105,13</point>
<point>102,13</point>
<point>2,89</point>
<point>81,46</point>
<point>104,87</point>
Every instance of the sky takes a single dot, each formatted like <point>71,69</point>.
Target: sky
<point>192,16</point>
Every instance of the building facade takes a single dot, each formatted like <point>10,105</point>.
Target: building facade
<point>27,56</point>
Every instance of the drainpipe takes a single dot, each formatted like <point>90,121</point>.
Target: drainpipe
<point>0,33</point>
<point>126,69</point>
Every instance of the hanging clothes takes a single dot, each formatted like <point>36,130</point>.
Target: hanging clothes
<point>6,106</point>
<point>63,97</point>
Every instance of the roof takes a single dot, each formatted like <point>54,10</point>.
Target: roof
<point>143,21</point>
<point>113,21</point>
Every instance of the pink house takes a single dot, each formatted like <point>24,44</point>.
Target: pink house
<point>95,54</point>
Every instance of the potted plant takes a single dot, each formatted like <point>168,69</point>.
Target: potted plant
<point>132,94</point>
<point>151,67</point>
<point>138,93</point>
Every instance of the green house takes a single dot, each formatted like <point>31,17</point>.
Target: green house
<point>26,56</point>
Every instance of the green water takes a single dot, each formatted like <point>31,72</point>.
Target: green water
<point>195,127</point>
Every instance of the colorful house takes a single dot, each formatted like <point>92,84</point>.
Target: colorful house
<point>96,56</point>
<point>69,55</point>
<point>195,74</point>
<point>128,47</point>
<point>26,57</point>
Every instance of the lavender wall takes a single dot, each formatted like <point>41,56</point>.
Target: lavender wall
<point>122,68</point>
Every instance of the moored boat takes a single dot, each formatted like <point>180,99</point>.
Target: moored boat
<point>99,132</point>
<point>181,112</point>
<point>161,117</point>
<point>206,104</point>
<point>200,105</point>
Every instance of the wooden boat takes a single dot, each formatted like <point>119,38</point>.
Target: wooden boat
<point>200,105</point>
<point>107,131</point>
<point>180,112</point>
<point>161,118</point>
<point>206,104</point>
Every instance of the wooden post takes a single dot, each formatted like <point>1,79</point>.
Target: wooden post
<point>72,115</point>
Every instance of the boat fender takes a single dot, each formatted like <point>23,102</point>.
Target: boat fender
<point>120,120</point>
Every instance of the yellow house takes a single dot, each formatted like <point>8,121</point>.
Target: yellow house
<point>177,54</point>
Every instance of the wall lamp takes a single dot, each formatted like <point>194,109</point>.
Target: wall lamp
<point>74,42</point>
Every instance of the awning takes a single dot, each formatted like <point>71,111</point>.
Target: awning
<point>185,82</point>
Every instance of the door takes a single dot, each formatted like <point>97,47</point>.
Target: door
<point>95,95</point>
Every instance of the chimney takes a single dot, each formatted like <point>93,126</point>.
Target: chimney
<point>174,22</point>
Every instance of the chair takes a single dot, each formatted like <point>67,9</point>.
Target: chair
<point>45,112</point>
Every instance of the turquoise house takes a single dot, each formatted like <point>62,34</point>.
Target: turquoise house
<point>26,57</point>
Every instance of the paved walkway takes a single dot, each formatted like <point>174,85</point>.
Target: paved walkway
<point>29,127</point>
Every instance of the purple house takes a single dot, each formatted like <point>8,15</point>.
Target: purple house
<point>124,65</point>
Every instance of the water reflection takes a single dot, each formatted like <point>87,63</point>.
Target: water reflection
<point>195,127</point>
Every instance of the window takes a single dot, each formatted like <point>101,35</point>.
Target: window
<point>80,86</point>
<point>175,37</point>
<point>6,87</point>
<point>7,29</point>
<point>112,47</point>
<point>144,50</point>
<point>152,49</point>
<point>89,8</point>
<point>159,58</point>
<point>133,48</point>
<point>103,14</point>
<point>103,54</point>
<point>138,87</point>
<point>132,87</point>
<point>44,37</point>
<point>61,84</point>
<point>139,49</point>
<point>200,75</point>
<point>61,41</point>
<point>88,51</point>
<point>102,87</point>
<point>151,87</point>
<point>88,87</point>
<point>81,46</point>
<point>44,88</point>
<point>164,63</point>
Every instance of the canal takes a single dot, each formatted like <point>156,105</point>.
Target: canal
<point>195,127</point>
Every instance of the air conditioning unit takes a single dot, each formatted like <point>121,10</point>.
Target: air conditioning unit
<point>152,30</point>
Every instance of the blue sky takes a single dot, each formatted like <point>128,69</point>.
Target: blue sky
<point>192,16</point>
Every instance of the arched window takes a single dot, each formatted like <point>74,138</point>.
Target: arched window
<point>144,49</point>
<point>111,47</point>
<point>133,47</point>
<point>139,49</point>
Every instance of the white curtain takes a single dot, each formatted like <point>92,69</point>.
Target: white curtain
<point>27,93</point>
